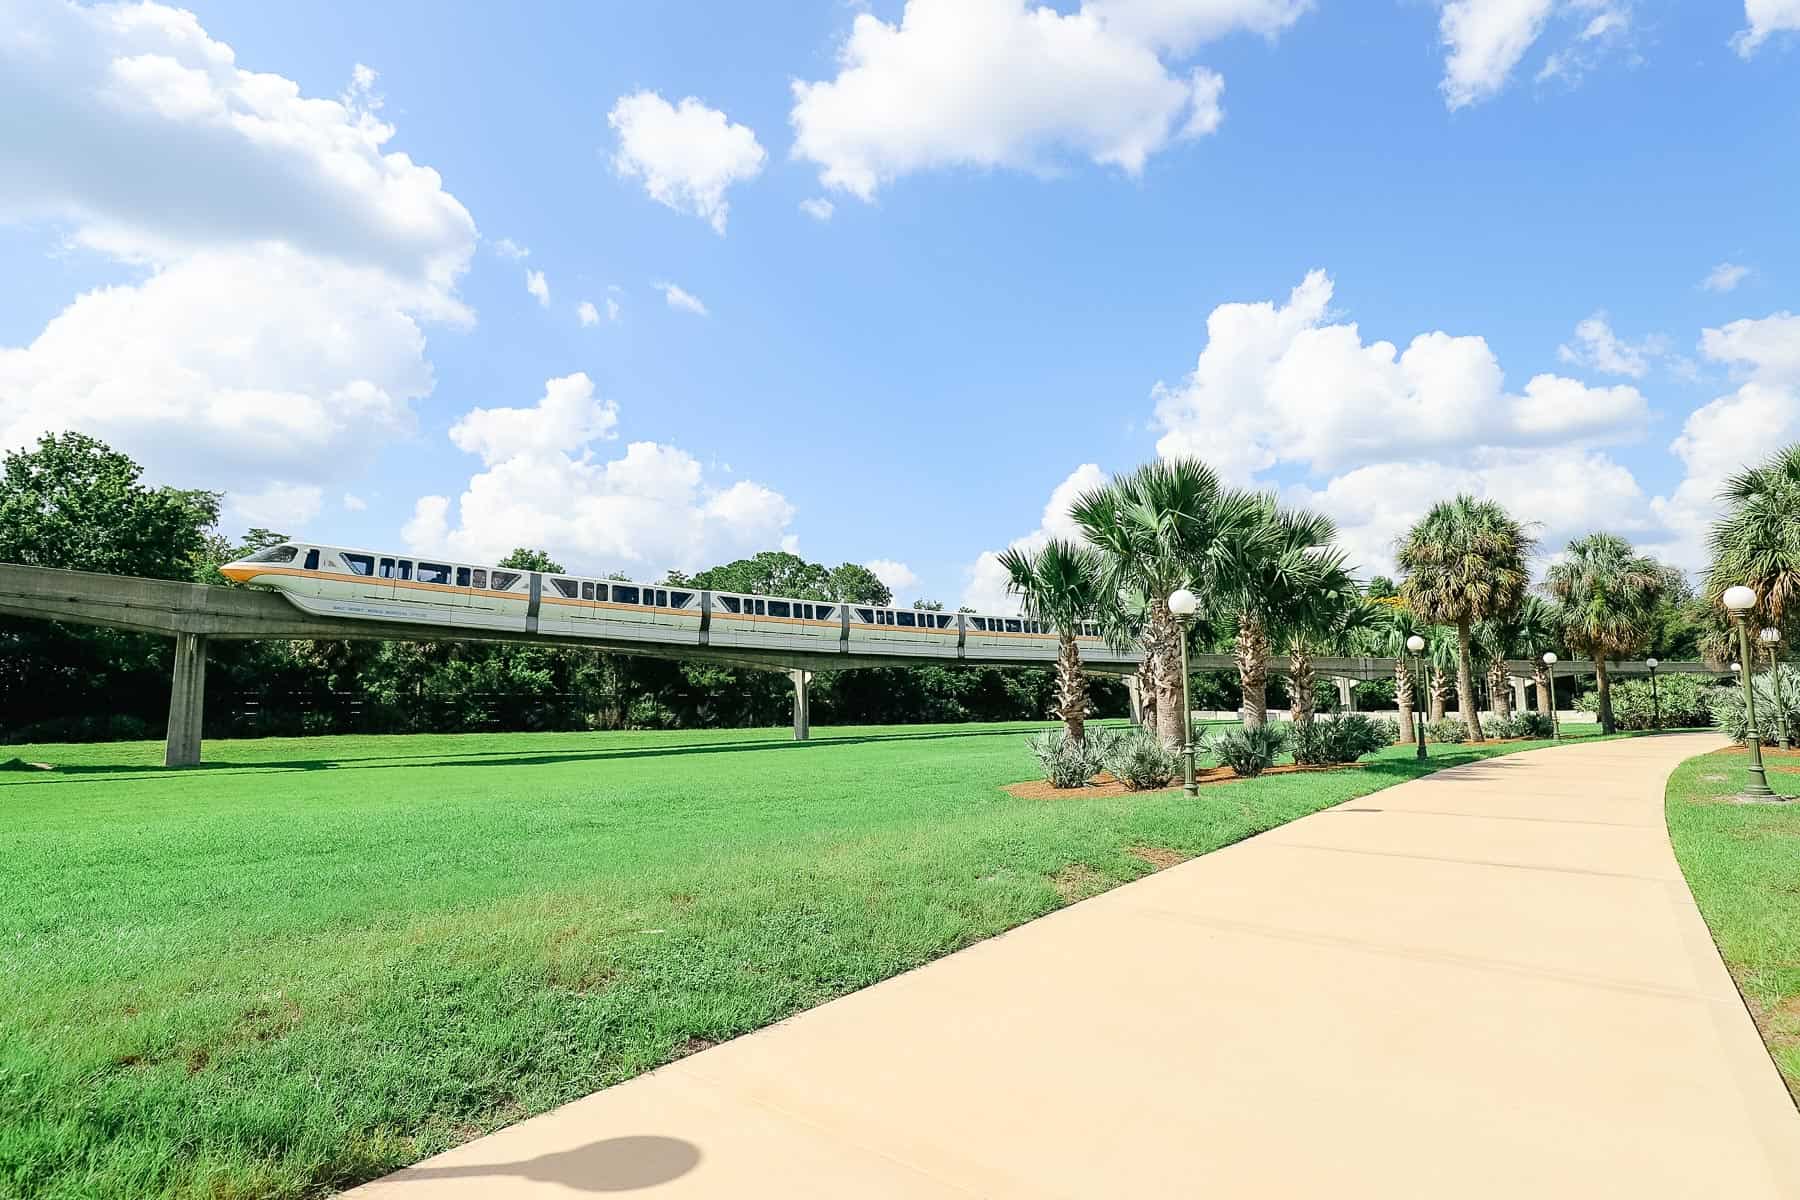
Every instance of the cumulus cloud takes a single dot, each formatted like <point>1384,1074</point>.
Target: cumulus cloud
<point>1598,348</point>
<point>539,290</point>
<point>1724,277</point>
<point>818,208</point>
<point>1767,18</point>
<point>542,484</point>
<point>688,155</point>
<point>509,249</point>
<point>680,300</point>
<point>1012,84</point>
<point>897,575</point>
<point>586,313</point>
<point>282,258</point>
<point>1282,383</point>
<point>985,588</point>
<point>1485,40</point>
<point>354,503</point>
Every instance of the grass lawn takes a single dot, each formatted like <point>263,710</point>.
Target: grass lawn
<point>312,961</point>
<point>1742,862</point>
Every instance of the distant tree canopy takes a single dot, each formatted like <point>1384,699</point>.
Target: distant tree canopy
<point>779,573</point>
<point>524,559</point>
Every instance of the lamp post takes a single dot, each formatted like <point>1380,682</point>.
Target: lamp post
<point>1184,604</point>
<point>1550,671</point>
<point>1740,600</point>
<point>1771,637</point>
<point>1416,644</point>
<point>1655,704</point>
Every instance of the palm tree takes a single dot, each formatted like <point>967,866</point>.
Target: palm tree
<point>1156,529</point>
<point>1268,568</point>
<point>1385,637</point>
<point>1060,587</point>
<point>1606,595</point>
<point>1324,620</point>
<point>1465,562</point>
<point>1532,629</point>
<point>1757,543</point>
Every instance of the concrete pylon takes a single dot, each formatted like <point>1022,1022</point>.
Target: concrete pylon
<point>1520,703</point>
<point>1134,693</point>
<point>187,702</point>
<point>802,704</point>
<point>1346,693</point>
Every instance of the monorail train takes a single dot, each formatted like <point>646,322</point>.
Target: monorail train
<point>360,585</point>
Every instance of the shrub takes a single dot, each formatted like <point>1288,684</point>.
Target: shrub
<point>1067,763</point>
<point>1525,724</point>
<point>1139,760</point>
<point>1330,741</point>
<point>1684,701</point>
<point>1728,708</point>
<point>1447,729</point>
<point>1249,750</point>
<point>1390,729</point>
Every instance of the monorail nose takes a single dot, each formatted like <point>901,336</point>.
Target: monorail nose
<point>236,573</point>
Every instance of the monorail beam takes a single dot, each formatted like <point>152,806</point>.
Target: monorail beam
<point>187,702</point>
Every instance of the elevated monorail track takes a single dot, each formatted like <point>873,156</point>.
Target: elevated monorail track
<point>194,614</point>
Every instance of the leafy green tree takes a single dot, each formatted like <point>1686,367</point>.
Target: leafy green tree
<point>770,573</point>
<point>854,583</point>
<point>1606,595</point>
<point>1756,542</point>
<point>526,559</point>
<point>1464,563</point>
<point>1060,585</point>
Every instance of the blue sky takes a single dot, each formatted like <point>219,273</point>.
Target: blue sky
<point>1573,220</point>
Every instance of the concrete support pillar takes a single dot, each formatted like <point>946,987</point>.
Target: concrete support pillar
<point>802,704</point>
<point>1134,693</point>
<point>1520,704</point>
<point>187,702</point>
<point>1346,696</point>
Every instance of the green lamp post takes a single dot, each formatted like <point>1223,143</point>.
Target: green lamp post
<point>1550,673</point>
<point>1771,638</point>
<point>1739,601</point>
<point>1655,703</point>
<point>1184,604</point>
<point>1416,644</point>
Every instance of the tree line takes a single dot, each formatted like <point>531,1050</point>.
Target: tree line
<point>73,502</point>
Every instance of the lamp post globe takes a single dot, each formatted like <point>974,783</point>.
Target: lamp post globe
<point>1739,601</point>
<point>1771,638</point>
<point>1655,701</point>
<point>1550,670</point>
<point>1652,663</point>
<point>1736,666</point>
<point>1416,645</point>
<point>1184,604</point>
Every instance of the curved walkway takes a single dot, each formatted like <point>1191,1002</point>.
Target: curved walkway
<point>1488,982</point>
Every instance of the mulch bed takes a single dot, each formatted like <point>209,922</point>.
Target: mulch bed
<point>1104,784</point>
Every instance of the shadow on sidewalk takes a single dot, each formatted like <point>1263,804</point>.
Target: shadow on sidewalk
<point>621,1164</point>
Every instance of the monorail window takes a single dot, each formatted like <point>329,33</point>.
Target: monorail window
<point>587,591</point>
<point>728,603</point>
<point>823,612</point>
<point>624,595</point>
<point>478,578</point>
<point>568,587</point>
<point>761,608</point>
<point>680,599</point>
<point>387,568</point>
<point>866,615</point>
<point>778,608</point>
<point>503,580</point>
<point>274,554</point>
<point>433,573</point>
<point>359,564</point>
<point>403,570</point>
<point>905,619</point>
<point>1013,626</point>
<point>662,598</point>
<point>462,577</point>
<point>312,560</point>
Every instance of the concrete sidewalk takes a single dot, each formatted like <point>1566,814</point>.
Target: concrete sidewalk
<point>1490,982</point>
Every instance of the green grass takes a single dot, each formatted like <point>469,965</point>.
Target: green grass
<point>312,961</point>
<point>1742,862</point>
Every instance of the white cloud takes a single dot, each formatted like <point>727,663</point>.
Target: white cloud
<point>612,309</point>
<point>1485,40</point>
<point>354,503</point>
<point>985,589</point>
<point>282,258</point>
<point>1598,348</point>
<point>1767,18</point>
<point>279,506</point>
<point>687,154</point>
<point>897,575</point>
<point>818,208</point>
<point>540,290</point>
<point>542,485</point>
<point>1724,277</point>
<point>1006,83</point>
<point>567,417</point>
<point>1607,29</point>
<point>507,248</point>
<point>1283,383</point>
<point>681,300</point>
<point>586,313</point>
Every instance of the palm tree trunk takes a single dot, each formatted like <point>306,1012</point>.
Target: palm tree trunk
<point>1072,692</point>
<point>1300,685</point>
<point>1252,652</point>
<point>1165,636</point>
<point>1603,685</point>
<point>1440,692</point>
<point>1498,688</point>
<point>1403,695</point>
<point>1541,678</point>
<point>1465,683</point>
<point>1147,690</point>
